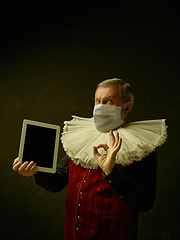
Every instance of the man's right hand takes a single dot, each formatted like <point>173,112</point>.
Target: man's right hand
<point>26,169</point>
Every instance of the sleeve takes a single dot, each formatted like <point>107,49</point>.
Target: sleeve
<point>138,190</point>
<point>57,181</point>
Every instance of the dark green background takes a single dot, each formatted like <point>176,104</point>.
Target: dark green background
<point>52,57</point>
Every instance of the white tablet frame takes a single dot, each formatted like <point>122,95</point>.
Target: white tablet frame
<point>57,138</point>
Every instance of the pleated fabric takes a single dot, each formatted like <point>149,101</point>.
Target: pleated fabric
<point>139,139</point>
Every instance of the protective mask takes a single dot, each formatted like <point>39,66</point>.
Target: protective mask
<point>107,117</point>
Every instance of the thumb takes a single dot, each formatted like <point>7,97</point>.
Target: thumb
<point>95,152</point>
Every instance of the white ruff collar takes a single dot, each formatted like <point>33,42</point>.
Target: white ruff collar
<point>139,139</point>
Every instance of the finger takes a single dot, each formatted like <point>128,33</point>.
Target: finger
<point>112,138</point>
<point>116,143</point>
<point>120,143</point>
<point>17,166</point>
<point>95,152</point>
<point>33,168</point>
<point>118,146</point>
<point>29,166</point>
<point>22,167</point>
<point>105,146</point>
<point>30,169</point>
<point>15,161</point>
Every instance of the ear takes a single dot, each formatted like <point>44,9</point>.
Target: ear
<point>127,107</point>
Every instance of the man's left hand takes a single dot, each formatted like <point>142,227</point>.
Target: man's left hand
<point>107,161</point>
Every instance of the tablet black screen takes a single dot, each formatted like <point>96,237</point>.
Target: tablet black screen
<point>39,145</point>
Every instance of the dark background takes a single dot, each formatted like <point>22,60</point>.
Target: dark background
<point>52,56</point>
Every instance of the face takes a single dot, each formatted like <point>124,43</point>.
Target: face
<point>109,96</point>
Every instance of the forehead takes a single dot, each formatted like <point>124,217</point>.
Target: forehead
<point>109,91</point>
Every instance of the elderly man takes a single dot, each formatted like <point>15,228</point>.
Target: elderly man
<point>110,167</point>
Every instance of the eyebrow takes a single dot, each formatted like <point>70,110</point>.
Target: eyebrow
<point>109,96</point>
<point>106,97</point>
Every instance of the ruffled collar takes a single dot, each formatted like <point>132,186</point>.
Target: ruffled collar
<point>139,139</point>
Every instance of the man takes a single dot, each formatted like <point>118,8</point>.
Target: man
<point>108,184</point>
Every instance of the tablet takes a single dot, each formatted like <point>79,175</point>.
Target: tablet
<point>39,143</point>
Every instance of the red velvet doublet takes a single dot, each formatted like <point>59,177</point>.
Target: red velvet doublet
<point>93,210</point>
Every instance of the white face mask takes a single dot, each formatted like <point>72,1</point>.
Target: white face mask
<point>107,117</point>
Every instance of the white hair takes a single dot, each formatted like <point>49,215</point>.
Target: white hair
<point>125,90</point>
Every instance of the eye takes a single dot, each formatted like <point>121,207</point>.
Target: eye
<point>109,101</point>
<point>97,101</point>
